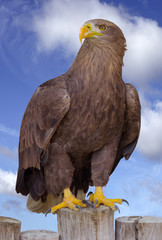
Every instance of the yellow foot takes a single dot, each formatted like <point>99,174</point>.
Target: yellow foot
<point>69,201</point>
<point>98,198</point>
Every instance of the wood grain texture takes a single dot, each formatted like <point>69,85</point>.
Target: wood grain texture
<point>138,228</point>
<point>39,235</point>
<point>9,228</point>
<point>150,228</point>
<point>125,228</point>
<point>88,224</point>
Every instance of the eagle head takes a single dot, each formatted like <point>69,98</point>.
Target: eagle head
<point>102,30</point>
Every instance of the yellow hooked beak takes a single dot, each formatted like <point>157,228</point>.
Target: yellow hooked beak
<point>86,31</point>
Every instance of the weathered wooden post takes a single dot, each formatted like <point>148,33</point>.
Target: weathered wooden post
<point>138,228</point>
<point>88,224</point>
<point>9,228</point>
<point>39,235</point>
<point>126,228</point>
<point>150,228</point>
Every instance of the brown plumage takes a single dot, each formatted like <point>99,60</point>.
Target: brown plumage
<point>78,126</point>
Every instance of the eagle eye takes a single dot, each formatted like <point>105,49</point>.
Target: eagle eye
<point>102,27</point>
<point>89,26</point>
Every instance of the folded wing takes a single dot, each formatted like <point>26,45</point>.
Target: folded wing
<point>47,107</point>
<point>131,131</point>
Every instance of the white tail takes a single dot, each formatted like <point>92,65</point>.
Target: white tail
<point>42,207</point>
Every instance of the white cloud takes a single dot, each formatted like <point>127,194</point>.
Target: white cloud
<point>5,151</point>
<point>10,131</point>
<point>7,182</point>
<point>143,59</point>
<point>57,26</point>
<point>150,141</point>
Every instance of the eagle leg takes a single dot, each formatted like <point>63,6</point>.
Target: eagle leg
<point>98,198</point>
<point>69,201</point>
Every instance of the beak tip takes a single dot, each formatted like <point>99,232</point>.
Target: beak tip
<point>82,33</point>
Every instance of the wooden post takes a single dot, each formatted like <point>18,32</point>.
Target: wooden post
<point>39,235</point>
<point>9,228</point>
<point>88,224</point>
<point>150,228</point>
<point>138,228</point>
<point>126,228</point>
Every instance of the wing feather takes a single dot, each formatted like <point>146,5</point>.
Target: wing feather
<point>131,131</point>
<point>47,107</point>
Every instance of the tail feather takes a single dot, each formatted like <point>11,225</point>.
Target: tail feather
<point>42,207</point>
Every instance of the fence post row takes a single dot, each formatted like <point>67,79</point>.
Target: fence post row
<point>88,224</point>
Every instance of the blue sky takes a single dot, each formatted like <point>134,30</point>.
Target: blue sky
<point>38,41</point>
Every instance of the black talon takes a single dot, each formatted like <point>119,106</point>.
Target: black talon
<point>95,203</point>
<point>123,200</point>
<point>89,204</point>
<point>48,211</point>
<point>78,207</point>
<point>89,194</point>
<point>117,208</point>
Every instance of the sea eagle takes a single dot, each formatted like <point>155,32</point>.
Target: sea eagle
<point>78,126</point>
